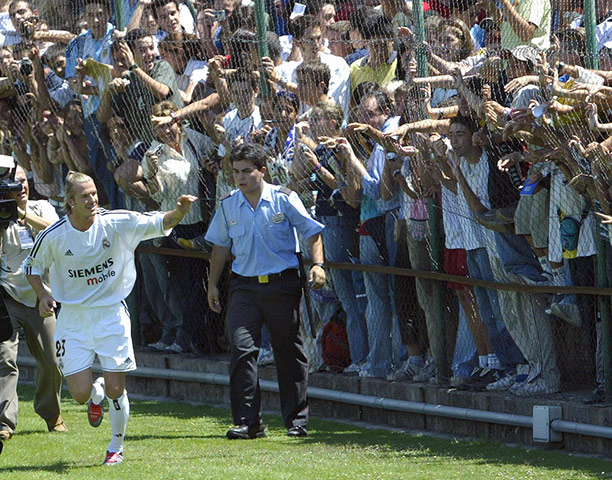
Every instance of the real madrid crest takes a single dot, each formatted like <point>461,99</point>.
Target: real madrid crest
<point>105,244</point>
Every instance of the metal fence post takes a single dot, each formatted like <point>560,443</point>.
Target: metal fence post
<point>602,279</point>
<point>119,15</point>
<point>262,40</point>
<point>432,207</point>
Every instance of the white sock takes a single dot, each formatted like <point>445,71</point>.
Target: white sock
<point>483,361</point>
<point>118,413</point>
<point>493,362</point>
<point>97,393</point>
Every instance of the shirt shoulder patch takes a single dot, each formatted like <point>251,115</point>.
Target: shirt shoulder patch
<point>285,190</point>
<point>228,195</point>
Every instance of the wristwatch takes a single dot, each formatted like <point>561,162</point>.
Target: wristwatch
<point>133,67</point>
<point>318,264</point>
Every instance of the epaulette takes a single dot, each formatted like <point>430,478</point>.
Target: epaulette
<point>285,190</point>
<point>227,195</point>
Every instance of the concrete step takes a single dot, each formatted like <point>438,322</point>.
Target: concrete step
<point>217,393</point>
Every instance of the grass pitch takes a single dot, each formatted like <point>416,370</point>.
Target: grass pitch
<point>170,440</point>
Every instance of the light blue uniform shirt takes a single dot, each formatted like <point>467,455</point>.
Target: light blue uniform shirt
<point>262,240</point>
<point>85,46</point>
<point>372,205</point>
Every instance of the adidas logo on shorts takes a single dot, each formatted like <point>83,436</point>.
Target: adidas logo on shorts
<point>69,253</point>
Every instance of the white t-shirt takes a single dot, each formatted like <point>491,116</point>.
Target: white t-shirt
<point>18,241</point>
<point>94,268</point>
<point>477,177</point>
<point>235,126</point>
<point>195,72</point>
<point>453,236</point>
<point>339,79</point>
<point>178,174</point>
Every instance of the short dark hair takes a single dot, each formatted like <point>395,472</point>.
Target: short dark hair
<point>162,3</point>
<point>287,97</point>
<point>31,6</point>
<point>359,16</point>
<point>274,46</point>
<point>106,4</point>
<point>250,152</point>
<point>134,35</point>
<point>242,75</point>
<point>53,52</point>
<point>298,27</point>
<point>383,100</point>
<point>468,122</point>
<point>377,26</point>
<point>239,48</point>
<point>317,71</point>
<point>364,89</point>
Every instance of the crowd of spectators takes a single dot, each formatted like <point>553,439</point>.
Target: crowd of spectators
<point>502,139</point>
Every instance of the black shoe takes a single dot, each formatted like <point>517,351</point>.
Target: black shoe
<point>476,372</point>
<point>245,432</point>
<point>297,431</point>
<point>479,382</point>
<point>596,397</point>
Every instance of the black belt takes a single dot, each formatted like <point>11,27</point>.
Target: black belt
<point>269,277</point>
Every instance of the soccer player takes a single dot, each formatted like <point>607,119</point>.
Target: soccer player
<point>90,257</point>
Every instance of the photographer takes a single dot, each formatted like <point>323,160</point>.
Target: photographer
<point>29,28</point>
<point>17,239</point>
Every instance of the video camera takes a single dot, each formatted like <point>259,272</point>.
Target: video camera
<point>8,207</point>
<point>27,29</point>
<point>8,213</point>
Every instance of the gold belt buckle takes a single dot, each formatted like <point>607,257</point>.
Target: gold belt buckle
<point>262,279</point>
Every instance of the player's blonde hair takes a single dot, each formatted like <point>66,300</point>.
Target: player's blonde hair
<point>73,179</point>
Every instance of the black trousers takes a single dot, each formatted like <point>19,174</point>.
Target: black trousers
<point>275,304</point>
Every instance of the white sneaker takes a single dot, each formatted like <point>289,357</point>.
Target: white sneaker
<point>353,368</point>
<point>568,312</point>
<point>365,373</point>
<point>406,373</point>
<point>159,346</point>
<point>503,384</point>
<point>538,387</point>
<point>175,348</point>
<point>427,372</point>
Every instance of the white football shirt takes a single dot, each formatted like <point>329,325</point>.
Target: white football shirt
<point>94,268</point>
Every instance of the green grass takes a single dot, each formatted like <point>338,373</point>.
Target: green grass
<point>169,440</point>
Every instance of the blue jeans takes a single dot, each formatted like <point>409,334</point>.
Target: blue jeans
<point>381,317</point>
<point>517,257</point>
<point>465,357</point>
<point>155,280</point>
<point>488,304</point>
<point>339,244</point>
<point>100,152</point>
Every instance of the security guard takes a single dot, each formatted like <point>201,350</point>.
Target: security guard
<point>257,223</point>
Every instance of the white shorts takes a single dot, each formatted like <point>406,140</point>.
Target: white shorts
<point>82,333</point>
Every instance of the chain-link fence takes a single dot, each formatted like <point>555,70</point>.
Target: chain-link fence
<point>455,150</point>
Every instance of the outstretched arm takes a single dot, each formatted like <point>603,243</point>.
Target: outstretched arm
<point>174,217</point>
